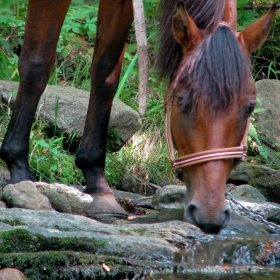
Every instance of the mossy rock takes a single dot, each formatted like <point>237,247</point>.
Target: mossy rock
<point>22,241</point>
<point>53,265</point>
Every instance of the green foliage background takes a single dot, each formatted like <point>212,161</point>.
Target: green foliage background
<point>145,155</point>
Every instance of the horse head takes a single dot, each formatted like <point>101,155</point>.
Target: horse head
<point>208,106</point>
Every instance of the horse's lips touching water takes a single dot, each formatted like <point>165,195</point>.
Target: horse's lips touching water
<point>196,214</point>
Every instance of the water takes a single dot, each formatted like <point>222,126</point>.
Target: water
<point>199,276</point>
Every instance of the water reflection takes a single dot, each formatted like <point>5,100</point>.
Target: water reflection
<point>199,276</point>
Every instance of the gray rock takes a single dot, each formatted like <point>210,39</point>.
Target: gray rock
<point>3,204</point>
<point>249,192</point>
<point>268,121</point>
<point>58,201</point>
<point>72,108</point>
<point>265,179</point>
<point>4,177</point>
<point>169,197</point>
<point>78,200</point>
<point>25,195</point>
<point>123,240</point>
<point>268,210</point>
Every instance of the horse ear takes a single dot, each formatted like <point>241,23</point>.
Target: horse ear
<point>184,28</point>
<point>230,14</point>
<point>253,36</point>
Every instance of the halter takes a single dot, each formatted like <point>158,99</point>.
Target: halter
<point>238,153</point>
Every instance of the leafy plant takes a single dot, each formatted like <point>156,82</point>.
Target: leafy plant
<point>145,155</point>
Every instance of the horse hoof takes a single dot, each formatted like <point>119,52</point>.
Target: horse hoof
<point>104,206</point>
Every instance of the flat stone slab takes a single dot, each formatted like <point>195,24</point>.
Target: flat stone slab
<point>142,249</point>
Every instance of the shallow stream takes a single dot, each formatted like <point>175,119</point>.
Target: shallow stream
<point>198,276</point>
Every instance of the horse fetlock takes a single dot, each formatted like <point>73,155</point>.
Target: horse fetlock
<point>86,160</point>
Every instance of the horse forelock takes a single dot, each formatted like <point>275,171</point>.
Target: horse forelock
<point>207,14</point>
<point>214,75</point>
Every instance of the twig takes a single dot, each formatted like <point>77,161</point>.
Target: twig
<point>149,185</point>
<point>259,7</point>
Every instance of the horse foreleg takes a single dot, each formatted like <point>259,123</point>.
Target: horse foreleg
<point>114,21</point>
<point>43,25</point>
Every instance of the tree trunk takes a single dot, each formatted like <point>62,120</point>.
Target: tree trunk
<point>143,58</point>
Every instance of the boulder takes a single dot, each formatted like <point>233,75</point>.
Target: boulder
<point>75,200</point>
<point>25,195</point>
<point>248,192</point>
<point>263,178</point>
<point>65,108</point>
<point>268,91</point>
<point>267,121</point>
<point>169,197</point>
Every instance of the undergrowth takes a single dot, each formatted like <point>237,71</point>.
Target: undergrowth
<point>145,154</point>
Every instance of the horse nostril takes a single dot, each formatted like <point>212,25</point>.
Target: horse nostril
<point>227,218</point>
<point>190,213</point>
<point>195,216</point>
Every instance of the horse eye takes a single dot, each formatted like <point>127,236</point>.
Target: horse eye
<point>249,110</point>
<point>184,103</point>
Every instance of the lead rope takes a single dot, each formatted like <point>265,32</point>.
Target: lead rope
<point>250,214</point>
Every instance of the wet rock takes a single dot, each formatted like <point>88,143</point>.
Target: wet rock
<point>169,197</point>
<point>243,252</point>
<point>25,195</point>
<point>238,223</point>
<point>160,216</point>
<point>268,210</point>
<point>242,224</point>
<point>124,240</point>
<point>163,241</point>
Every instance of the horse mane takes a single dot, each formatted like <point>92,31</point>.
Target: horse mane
<point>207,14</point>
<point>213,74</point>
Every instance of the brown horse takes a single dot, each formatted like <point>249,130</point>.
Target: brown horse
<point>208,105</point>
<point>212,94</point>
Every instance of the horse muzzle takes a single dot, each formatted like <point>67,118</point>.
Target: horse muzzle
<point>210,221</point>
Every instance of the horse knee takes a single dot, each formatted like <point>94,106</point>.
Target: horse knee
<point>34,73</point>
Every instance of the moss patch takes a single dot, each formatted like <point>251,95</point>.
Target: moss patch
<point>67,265</point>
<point>20,240</point>
<point>15,222</point>
<point>133,232</point>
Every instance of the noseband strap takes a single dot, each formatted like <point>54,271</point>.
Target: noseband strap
<point>238,153</point>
